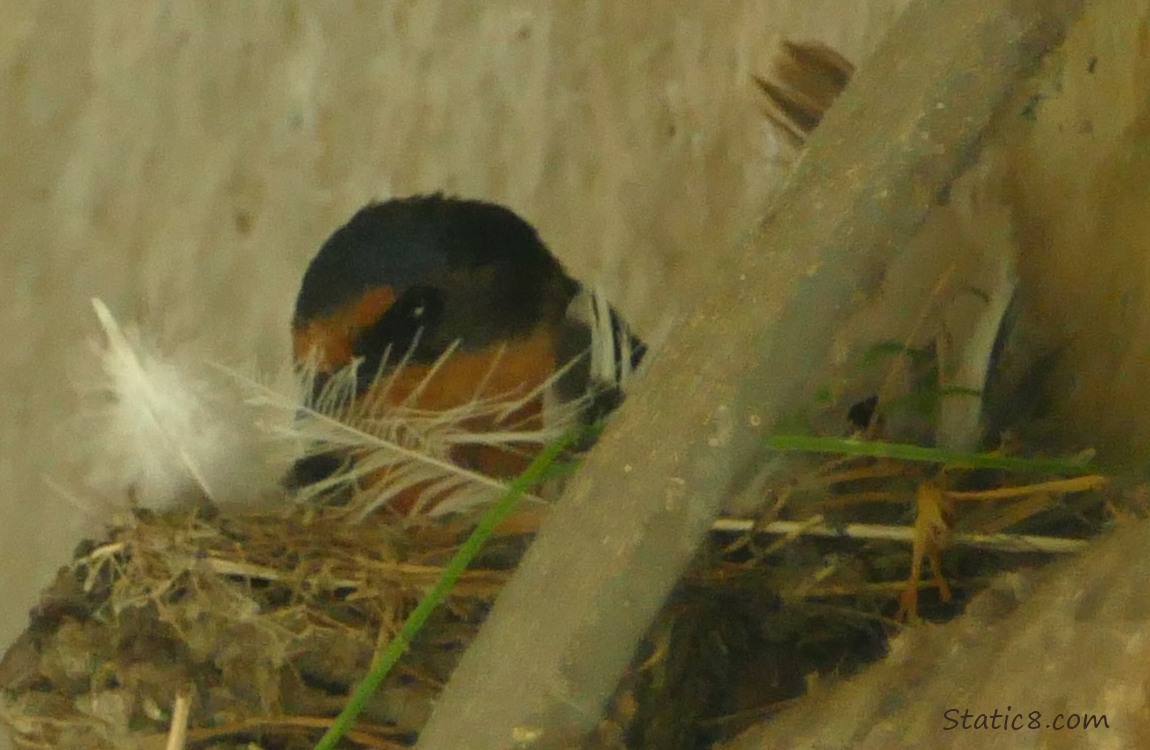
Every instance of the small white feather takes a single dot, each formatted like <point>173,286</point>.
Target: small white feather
<point>171,431</point>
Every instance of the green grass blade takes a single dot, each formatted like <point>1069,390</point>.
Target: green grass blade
<point>907,452</point>
<point>531,476</point>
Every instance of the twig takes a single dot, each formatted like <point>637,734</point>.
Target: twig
<point>371,736</point>
<point>1057,486</point>
<point>235,568</point>
<point>905,534</point>
<point>178,733</point>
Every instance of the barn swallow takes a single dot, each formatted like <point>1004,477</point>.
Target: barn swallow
<point>441,294</point>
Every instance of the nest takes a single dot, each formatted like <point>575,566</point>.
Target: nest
<point>266,622</point>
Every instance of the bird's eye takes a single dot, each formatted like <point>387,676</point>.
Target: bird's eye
<point>405,329</point>
<point>421,303</point>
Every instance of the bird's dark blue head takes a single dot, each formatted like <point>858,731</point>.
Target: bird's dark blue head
<point>415,275</point>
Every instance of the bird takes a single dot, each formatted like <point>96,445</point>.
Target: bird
<point>438,301</point>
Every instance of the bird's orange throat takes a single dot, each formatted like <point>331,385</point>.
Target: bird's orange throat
<point>330,339</point>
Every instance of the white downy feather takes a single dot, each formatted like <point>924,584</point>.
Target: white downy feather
<point>172,431</point>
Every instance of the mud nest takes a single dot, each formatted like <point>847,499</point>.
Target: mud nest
<point>266,622</point>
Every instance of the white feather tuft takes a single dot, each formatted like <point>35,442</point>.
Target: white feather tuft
<point>171,431</point>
